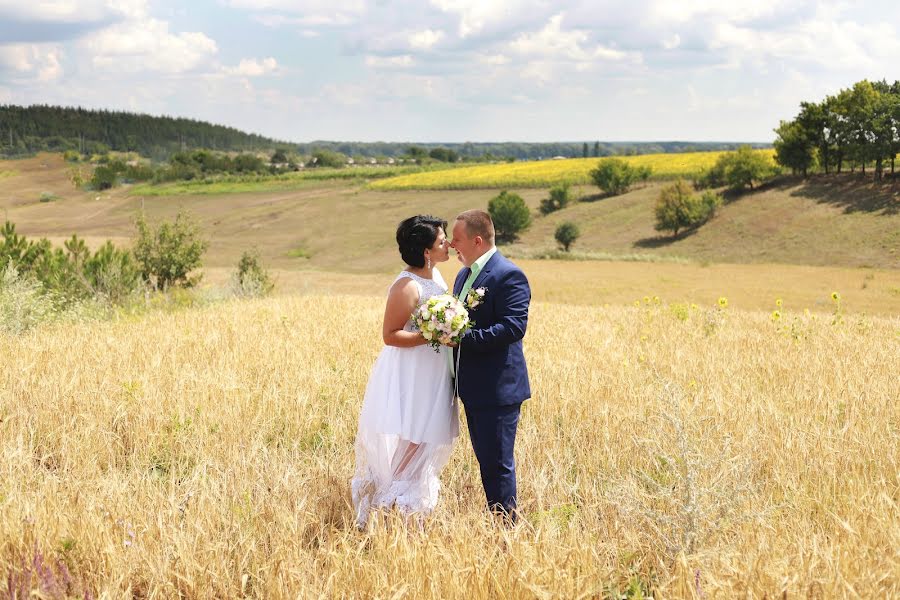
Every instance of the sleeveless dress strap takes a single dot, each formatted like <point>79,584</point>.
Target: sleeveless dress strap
<point>407,275</point>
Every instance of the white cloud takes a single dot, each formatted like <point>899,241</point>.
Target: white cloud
<point>846,45</point>
<point>476,15</point>
<point>686,11</point>
<point>425,40</point>
<point>401,62</point>
<point>493,59</point>
<point>250,67</point>
<point>671,42</point>
<point>39,62</point>
<point>304,12</point>
<point>553,42</point>
<point>148,45</point>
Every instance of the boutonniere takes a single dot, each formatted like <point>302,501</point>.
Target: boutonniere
<point>475,297</point>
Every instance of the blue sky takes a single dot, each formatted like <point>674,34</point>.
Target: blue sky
<point>451,70</point>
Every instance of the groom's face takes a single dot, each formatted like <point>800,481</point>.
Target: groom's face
<point>466,247</point>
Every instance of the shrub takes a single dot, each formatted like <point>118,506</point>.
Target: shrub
<point>112,274</point>
<point>560,197</point>
<point>104,177</point>
<point>566,234</point>
<point>327,158</point>
<point>738,169</point>
<point>510,215</point>
<point>251,279</point>
<point>71,273</point>
<point>23,301</point>
<point>679,208</point>
<point>615,176</point>
<point>167,254</point>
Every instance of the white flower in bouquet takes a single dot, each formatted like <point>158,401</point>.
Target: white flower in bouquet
<point>442,320</point>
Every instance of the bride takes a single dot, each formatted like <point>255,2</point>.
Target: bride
<point>408,420</point>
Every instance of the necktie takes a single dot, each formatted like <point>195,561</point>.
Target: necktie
<point>467,285</point>
<point>473,274</point>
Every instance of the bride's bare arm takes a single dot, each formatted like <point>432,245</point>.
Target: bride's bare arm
<point>402,301</point>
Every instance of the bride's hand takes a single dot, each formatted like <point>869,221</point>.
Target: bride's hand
<point>452,345</point>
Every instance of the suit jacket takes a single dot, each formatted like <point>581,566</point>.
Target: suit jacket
<point>492,370</point>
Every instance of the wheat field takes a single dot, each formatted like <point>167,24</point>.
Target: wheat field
<point>669,450</point>
<point>546,173</point>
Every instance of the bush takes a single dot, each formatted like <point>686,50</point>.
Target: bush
<point>615,176</point>
<point>72,156</point>
<point>327,158</point>
<point>560,197</point>
<point>23,301</point>
<point>738,169</point>
<point>679,208</point>
<point>71,273</point>
<point>112,274</point>
<point>138,172</point>
<point>251,279</point>
<point>566,234</point>
<point>510,215</point>
<point>167,254</point>
<point>105,176</point>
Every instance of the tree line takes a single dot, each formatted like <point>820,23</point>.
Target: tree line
<point>466,151</point>
<point>857,127</point>
<point>26,130</point>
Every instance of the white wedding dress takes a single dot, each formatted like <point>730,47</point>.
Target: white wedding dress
<point>407,425</point>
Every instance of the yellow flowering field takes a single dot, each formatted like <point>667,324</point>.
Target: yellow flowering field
<point>546,173</point>
<point>670,449</point>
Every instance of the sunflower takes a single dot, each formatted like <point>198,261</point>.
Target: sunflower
<point>723,302</point>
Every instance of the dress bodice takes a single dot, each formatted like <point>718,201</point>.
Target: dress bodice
<point>427,289</point>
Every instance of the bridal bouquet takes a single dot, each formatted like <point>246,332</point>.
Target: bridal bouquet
<point>442,319</point>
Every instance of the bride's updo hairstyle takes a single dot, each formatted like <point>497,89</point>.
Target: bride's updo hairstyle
<point>415,235</point>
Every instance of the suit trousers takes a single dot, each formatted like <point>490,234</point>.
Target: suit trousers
<point>492,430</point>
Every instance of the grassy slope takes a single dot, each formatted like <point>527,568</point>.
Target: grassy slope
<point>819,223</point>
<point>349,229</point>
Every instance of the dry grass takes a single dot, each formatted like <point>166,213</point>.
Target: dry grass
<point>207,453</point>
<point>872,291</point>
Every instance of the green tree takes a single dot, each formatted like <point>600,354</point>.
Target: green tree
<point>560,197</point>
<point>104,177</point>
<point>251,279</point>
<point>566,234</point>
<point>793,147</point>
<point>443,155</point>
<point>678,207</point>
<point>278,157</point>
<point>510,215</point>
<point>615,176</point>
<point>739,169</point>
<point>170,252</point>
<point>584,150</point>
<point>327,158</point>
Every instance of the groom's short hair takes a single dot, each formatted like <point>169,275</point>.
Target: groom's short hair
<point>478,222</point>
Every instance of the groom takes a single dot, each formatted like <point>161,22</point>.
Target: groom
<point>492,378</point>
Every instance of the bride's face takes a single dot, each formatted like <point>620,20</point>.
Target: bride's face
<point>440,250</point>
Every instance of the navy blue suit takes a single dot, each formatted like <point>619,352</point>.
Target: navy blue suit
<point>493,377</point>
